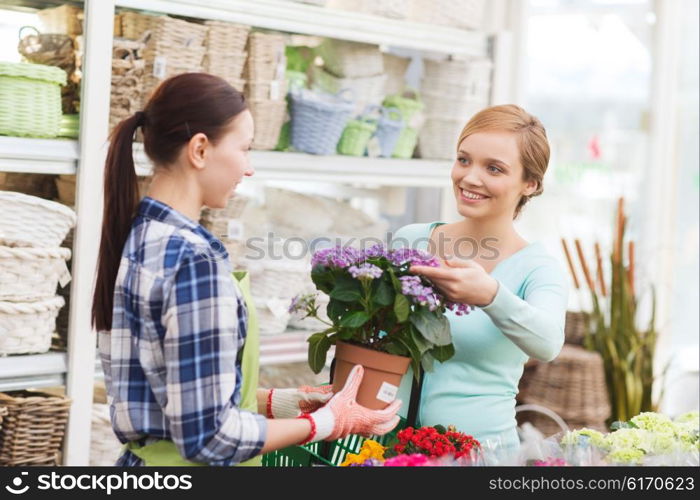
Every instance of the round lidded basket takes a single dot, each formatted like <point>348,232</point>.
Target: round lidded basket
<point>33,221</point>
<point>31,273</point>
<point>30,99</point>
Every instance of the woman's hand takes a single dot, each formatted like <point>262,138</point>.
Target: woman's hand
<point>290,403</point>
<point>462,281</point>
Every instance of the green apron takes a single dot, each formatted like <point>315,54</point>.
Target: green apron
<point>164,453</point>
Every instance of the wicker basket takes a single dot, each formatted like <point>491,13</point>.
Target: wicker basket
<point>30,99</point>
<point>263,69</point>
<point>216,221</point>
<point>164,30</point>
<point>65,19</point>
<point>436,105</point>
<point>273,318</point>
<point>226,38</point>
<point>105,447</point>
<point>367,91</point>
<point>389,130</point>
<point>350,59</point>
<point>438,137</point>
<point>406,144</point>
<point>318,120</point>
<point>266,46</point>
<point>279,279</point>
<point>573,386</point>
<point>27,327</point>
<point>395,68</point>
<point>576,327</point>
<point>457,13</point>
<point>275,90</point>
<point>3,412</point>
<point>31,273</point>
<point>269,116</point>
<point>33,429</point>
<point>128,70</point>
<point>40,185</point>
<point>356,135</point>
<point>50,49</point>
<point>227,66</point>
<point>33,221</point>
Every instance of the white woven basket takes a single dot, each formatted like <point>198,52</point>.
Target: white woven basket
<point>459,109</point>
<point>32,273</point>
<point>26,327</point>
<point>395,68</point>
<point>438,137</point>
<point>458,13</point>
<point>350,59</point>
<point>33,221</point>
<point>273,314</point>
<point>282,279</point>
<point>105,447</point>
<point>366,90</point>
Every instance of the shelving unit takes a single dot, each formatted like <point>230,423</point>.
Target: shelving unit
<point>86,157</point>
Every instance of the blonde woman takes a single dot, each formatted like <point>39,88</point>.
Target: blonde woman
<point>519,291</point>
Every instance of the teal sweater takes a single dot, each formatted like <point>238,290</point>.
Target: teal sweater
<point>475,390</point>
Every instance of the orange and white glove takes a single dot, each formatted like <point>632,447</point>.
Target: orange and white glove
<point>290,403</point>
<point>342,415</point>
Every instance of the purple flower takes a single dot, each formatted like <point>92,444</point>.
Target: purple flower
<point>337,257</point>
<point>457,308</point>
<point>365,271</point>
<point>402,256</point>
<point>412,286</point>
<point>375,251</point>
<point>370,462</point>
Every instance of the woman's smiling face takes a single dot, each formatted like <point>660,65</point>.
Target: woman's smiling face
<point>488,175</point>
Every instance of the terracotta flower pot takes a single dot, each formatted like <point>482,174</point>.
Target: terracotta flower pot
<point>382,377</point>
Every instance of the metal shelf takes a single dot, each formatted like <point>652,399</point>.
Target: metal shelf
<point>294,17</point>
<point>272,165</point>
<point>38,156</point>
<point>33,371</point>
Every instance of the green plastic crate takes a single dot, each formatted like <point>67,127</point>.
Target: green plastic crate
<point>324,453</point>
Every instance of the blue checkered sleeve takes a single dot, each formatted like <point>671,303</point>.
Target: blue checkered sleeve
<point>205,319</point>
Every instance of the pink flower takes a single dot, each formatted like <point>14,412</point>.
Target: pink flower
<point>415,460</point>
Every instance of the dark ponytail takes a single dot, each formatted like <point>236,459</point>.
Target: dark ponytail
<point>181,107</point>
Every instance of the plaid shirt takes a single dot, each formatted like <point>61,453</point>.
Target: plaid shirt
<point>172,359</point>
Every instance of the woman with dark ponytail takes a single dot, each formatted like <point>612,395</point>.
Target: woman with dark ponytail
<point>171,319</point>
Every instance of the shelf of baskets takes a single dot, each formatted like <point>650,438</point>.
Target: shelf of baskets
<point>39,156</point>
<point>295,17</point>
<point>272,165</point>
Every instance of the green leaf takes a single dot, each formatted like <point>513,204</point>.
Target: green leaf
<point>336,309</point>
<point>322,278</point>
<point>413,352</point>
<point>383,295</point>
<point>401,308</point>
<point>443,352</point>
<point>395,281</point>
<point>318,350</point>
<point>354,320</point>
<point>345,295</point>
<point>397,349</point>
<point>422,345</point>
<point>427,362</point>
<point>434,329</point>
<point>346,289</point>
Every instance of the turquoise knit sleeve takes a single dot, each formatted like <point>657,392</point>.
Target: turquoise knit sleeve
<point>534,323</point>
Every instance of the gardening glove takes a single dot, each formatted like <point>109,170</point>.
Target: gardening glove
<point>342,415</point>
<point>290,403</point>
